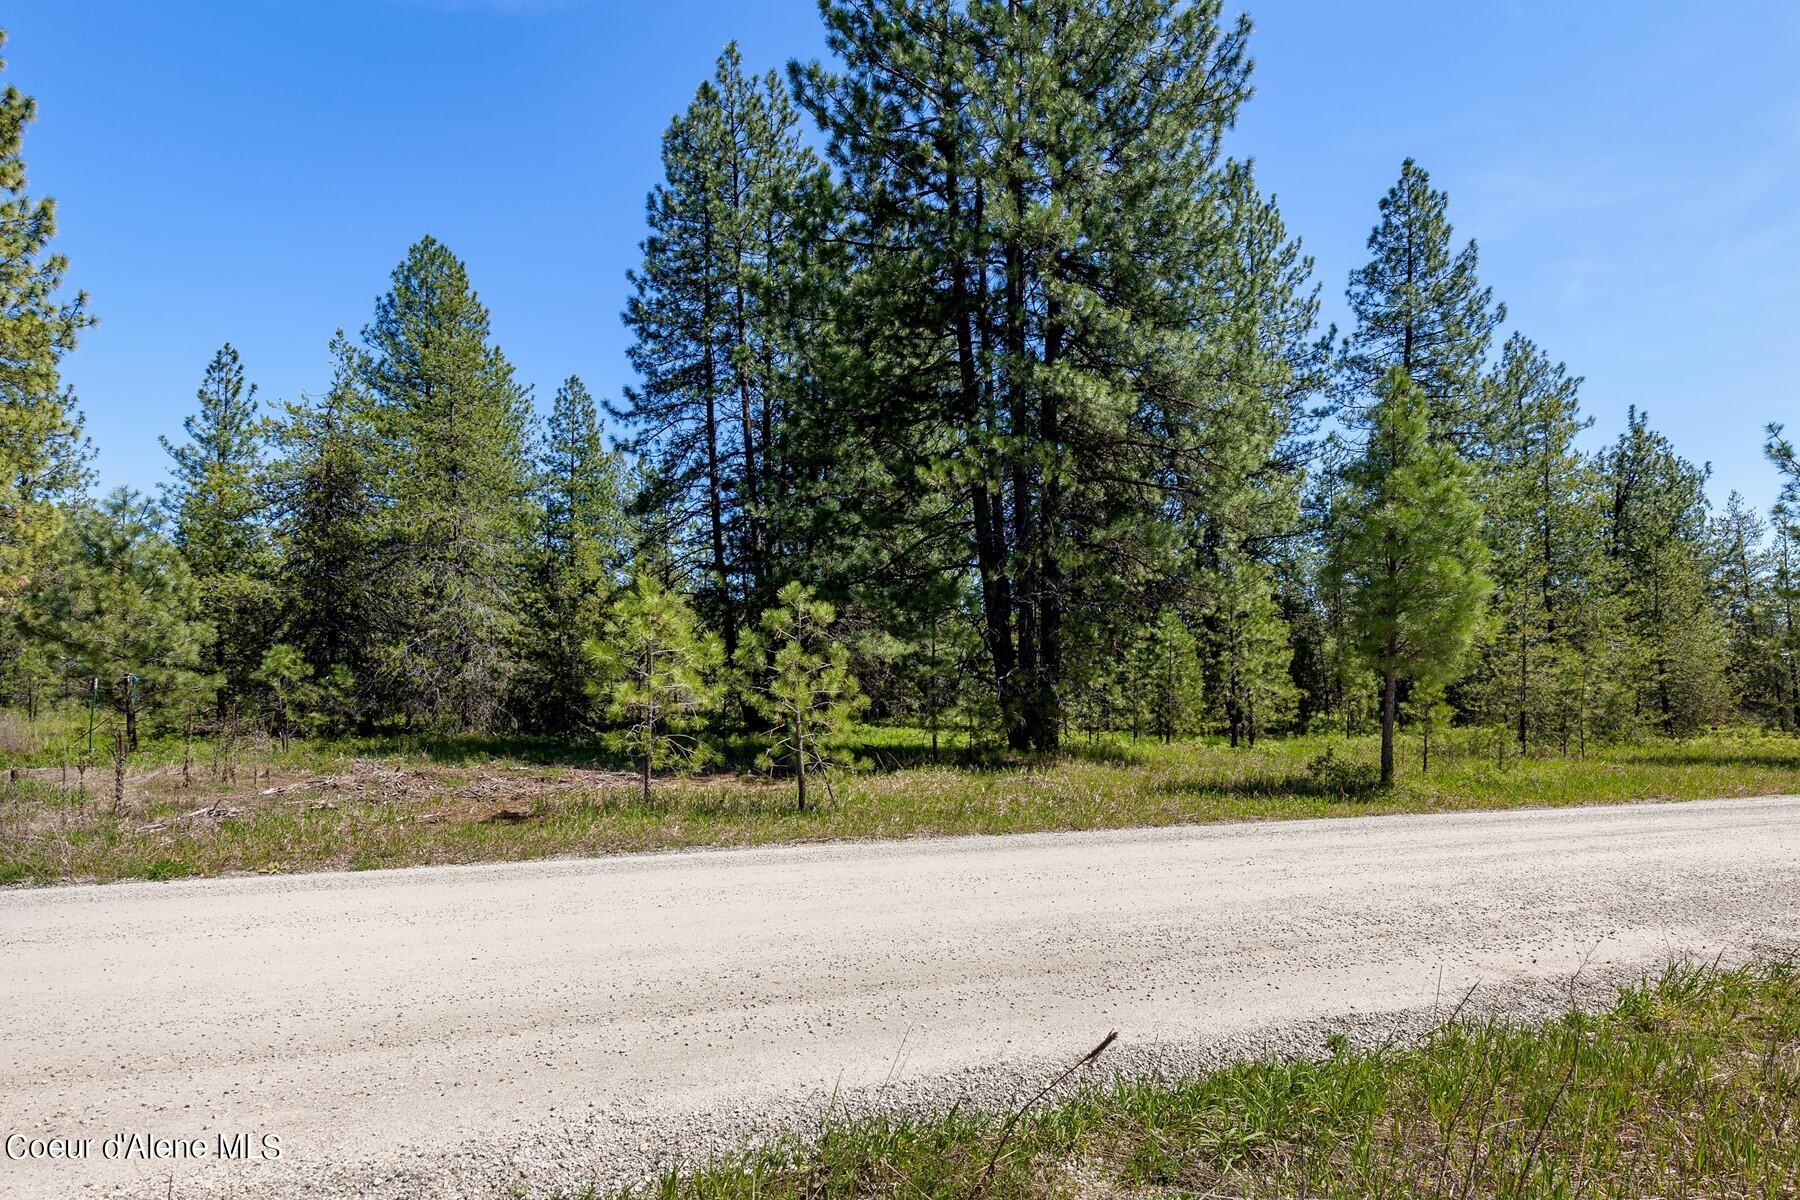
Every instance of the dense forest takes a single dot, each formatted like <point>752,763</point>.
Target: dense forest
<point>979,387</point>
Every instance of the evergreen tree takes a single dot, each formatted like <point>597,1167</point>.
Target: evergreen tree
<point>1656,536</point>
<point>322,496</point>
<point>286,677</point>
<point>1095,688</point>
<point>1038,356</point>
<point>215,509</point>
<point>1595,661</point>
<point>1419,306</point>
<point>1785,570</point>
<point>1784,585</point>
<point>579,554</point>
<point>1745,599</point>
<point>121,608</point>
<point>718,313</point>
<point>450,424</point>
<point>938,647</point>
<point>42,451</point>
<point>1253,650</point>
<point>653,671</point>
<point>1781,452</point>
<point>1409,548</point>
<point>1543,506</point>
<point>1166,673</point>
<point>802,685</point>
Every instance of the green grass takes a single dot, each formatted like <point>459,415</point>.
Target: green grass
<point>400,801</point>
<point>1689,1087</point>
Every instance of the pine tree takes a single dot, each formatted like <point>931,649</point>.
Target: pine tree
<point>1409,548</point>
<point>718,313</point>
<point>286,677</point>
<point>215,508</point>
<point>451,426</point>
<point>1543,503</point>
<point>1169,689</point>
<point>121,607</point>
<point>42,451</point>
<point>938,646</point>
<point>1095,688</point>
<point>1051,317</point>
<point>1745,599</point>
<point>1781,452</point>
<point>654,670</point>
<point>578,557</point>
<point>1784,555</point>
<point>1419,306</point>
<point>1784,586</point>
<point>321,494</point>
<point>801,685</point>
<point>1656,536</point>
<point>1252,649</point>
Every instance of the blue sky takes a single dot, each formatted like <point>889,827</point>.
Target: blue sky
<point>251,170</point>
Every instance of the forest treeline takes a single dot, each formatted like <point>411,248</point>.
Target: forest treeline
<point>1008,408</point>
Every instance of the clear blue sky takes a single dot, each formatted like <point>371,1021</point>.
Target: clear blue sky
<point>250,170</point>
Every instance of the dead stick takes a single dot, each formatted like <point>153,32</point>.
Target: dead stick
<point>1006,1130</point>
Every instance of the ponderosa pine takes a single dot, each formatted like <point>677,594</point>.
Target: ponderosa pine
<point>1420,306</point>
<point>1038,347</point>
<point>215,508</point>
<point>322,496</point>
<point>42,451</point>
<point>578,557</point>
<point>1408,546</point>
<point>450,424</point>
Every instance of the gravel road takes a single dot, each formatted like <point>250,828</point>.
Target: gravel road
<point>475,1031</point>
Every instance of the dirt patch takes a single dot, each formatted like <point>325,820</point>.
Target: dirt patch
<point>492,792</point>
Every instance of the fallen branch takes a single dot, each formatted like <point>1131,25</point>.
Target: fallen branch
<point>1006,1130</point>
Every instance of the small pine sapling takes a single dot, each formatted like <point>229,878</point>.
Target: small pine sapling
<point>802,686</point>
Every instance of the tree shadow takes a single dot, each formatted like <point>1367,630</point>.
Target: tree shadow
<point>1777,760</point>
<point>468,749</point>
<point>1297,785</point>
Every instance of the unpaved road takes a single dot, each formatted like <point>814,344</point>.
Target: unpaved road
<point>465,1031</point>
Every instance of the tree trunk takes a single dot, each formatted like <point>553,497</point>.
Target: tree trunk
<point>121,751</point>
<point>715,491</point>
<point>800,760</point>
<point>649,748</point>
<point>131,730</point>
<point>1390,696</point>
<point>1524,670</point>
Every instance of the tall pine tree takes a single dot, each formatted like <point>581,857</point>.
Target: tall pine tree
<point>720,312</point>
<point>1408,545</point>
<point>1543,504</point>
<point>1038,358</point>
<point>322,494</point>
<point>215,507</point>
<point>1656,537</point>
<point>42,452</point>
<point>578,556</point>
<point>450,423</point>
<point>1420,306</point>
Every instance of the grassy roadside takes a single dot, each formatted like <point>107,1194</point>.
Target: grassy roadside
<point>1689,1087</point>
<point>399,802</point>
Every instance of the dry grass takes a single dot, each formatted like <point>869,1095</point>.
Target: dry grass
<point>392,803</point>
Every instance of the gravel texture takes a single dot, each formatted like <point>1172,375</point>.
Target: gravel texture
<point>522,1029</point>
